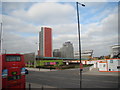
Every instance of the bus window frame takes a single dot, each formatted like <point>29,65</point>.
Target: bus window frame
<point>11,56</point>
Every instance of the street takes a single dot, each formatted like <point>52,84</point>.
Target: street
<point>71,79</point>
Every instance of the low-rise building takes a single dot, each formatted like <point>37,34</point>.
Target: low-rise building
<point>110,65</point>
<point>106,65</point>
<point>56,53</point>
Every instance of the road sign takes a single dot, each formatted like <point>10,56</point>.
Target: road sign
<point>81,66</point>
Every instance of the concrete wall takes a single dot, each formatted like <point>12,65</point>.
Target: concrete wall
<point>85,69</point>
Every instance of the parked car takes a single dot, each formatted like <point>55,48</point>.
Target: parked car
<point>118,67</point>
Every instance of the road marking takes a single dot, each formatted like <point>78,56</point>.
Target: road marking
<point>36,85</point>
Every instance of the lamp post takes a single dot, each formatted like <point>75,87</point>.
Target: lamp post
<point>35,62</point>
<point>1,32</point>
<point>79,41</point>
<point>5,50</point>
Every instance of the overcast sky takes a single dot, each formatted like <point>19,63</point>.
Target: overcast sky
<point>22,22</point>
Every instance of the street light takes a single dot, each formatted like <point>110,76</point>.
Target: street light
<point>79,41</point>
<point>5,50</point>
<point>35,62</point>
<point>1,32</point>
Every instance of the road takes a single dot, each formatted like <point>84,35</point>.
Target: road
<point>71,79</point>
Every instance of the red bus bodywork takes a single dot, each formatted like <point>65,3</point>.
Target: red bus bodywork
<point>14,78</point>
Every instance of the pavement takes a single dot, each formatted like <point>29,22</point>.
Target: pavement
<point>95,71</point>
<point>41,70</point>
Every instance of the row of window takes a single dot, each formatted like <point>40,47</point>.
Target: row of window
<point>13,58</point>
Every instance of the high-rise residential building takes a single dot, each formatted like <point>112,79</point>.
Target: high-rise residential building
<point>45,42</point>
<point>67,50</point>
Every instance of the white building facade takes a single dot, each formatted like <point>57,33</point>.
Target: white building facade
<point>108,65</point>
<point>115,50</point>
<point>105,65</point>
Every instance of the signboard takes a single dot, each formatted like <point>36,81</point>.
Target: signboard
<point>50,63</point>
<point>81,66</point>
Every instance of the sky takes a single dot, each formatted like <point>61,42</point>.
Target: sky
<point>22,22</point>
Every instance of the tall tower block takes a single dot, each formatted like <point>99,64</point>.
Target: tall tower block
<point>45,42</point>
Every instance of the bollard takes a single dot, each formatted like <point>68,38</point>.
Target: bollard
<point>29,86</point>
<point>42,87</point>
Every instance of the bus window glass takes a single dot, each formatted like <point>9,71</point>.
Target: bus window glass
<point>14,77</point>
<point>4,73</point>
<point>12,58</point>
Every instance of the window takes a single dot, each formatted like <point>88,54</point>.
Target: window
<point>103,65</point>
<point>12,58</point>
<point>14,77</point>
<point>111,61</point>
<point>57,62</point>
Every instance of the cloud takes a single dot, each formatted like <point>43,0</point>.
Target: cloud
<point>11,24</point>
<point>47,13</point>
<point>11,6</point>
<point>97,36</point>
<point>60,1</point>
<point>16,0</point>
<point>96,11</point>
<point>0,18</point>
<point>14,43</point>
<point>19,36</point>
